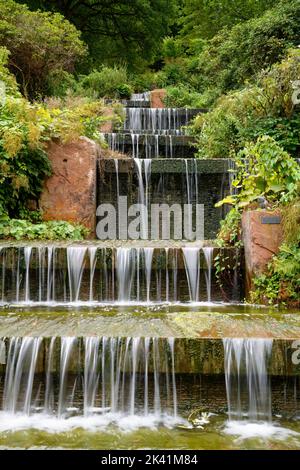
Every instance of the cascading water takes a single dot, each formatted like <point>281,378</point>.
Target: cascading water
<point>192,268</point>
<point>246,375</point>
<point>143,169</point>
<point>91,274</point>
<point>208,255</point>
<point>140,96</point>
<point>192,196</point>
<point>115,377</point>
<point>75,260</point>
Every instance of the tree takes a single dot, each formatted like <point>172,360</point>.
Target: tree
<point>204,18</point>
<point>117,30</point>
<point>40,44</point>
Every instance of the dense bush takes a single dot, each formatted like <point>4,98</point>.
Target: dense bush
<point>183,97</point>
<point>107,82</point>
<point>265,170</point>
<point>281,283</point>
<point>244,115</point>
<point>53,230</point>
<point>233,56</point>
<point>25,128</point>
<point>40,44</point>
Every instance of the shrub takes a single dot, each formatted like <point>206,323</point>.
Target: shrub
<point>244,115</point>
<point>53,230</point>
<point>235,55</point>
<point>105,82</point>
<point>40,44</point>
<point>264,169</point>
<point>183,97</point>
<point>281,283</point>
<point>124,91</point>
<point>25,127</point>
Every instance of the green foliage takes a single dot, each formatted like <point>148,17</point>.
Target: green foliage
<point>106,82</point>
<point>129,31</point>
<point>244,115</point>
<point>233,56</point>
<point>264,169</point>
<point>183,97</point>
<point>291,222</point>
<point>172,48</point>
<point>40,44</point>
<point>71,117</point>
<point>24,130</point>
<point>124,91</point>
<point>53,230</point>
<point>230,230</point>
<point>281,284</point>
<point>205,18</point>
<point>285,130</point>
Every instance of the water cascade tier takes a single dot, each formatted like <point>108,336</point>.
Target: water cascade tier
<point>148,330</point>
<point>155,164</point>
<point>155,379</point>
<point>92,273</point>
<point>94,376</point>
<point>247,380</point>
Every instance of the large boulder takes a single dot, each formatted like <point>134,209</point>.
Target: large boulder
<point>70,193</point>
<point>262,236</point>
<point>157,98</point>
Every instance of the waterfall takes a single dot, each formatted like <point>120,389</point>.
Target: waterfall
<point>91,374</point>
<point>156,119</point>
<point>143,169</point>
<point>20,369</point>
<point>192,194</point>
<point>49,389</point>
<point>125,272</point>
<point>246,375</point>
<point>208,255</point>
<point>92,250</point>
<point>129,262</point>
<point>75,260</point>
<point>88,273</point>
<point>191,256</point>
<point>27,256</point>
<point>140,96</point>
<point>67,347</point>
<point>148,253</point>
<point>117,375</point>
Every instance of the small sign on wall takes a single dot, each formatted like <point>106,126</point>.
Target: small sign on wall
<point>271,219</point>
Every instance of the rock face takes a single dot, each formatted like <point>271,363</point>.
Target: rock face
<point>262,236</point>
<point>70,193</point>
<point>157,97</point>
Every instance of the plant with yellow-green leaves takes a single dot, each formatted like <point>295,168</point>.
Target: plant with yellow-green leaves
<point>263,108</point>
<point>25,129</point>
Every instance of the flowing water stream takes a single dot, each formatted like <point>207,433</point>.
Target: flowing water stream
<point>139,345</point>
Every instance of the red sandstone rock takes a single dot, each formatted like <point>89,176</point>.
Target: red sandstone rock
<point>261,242</point>
<point>70,193</point>
<point>157,97</point>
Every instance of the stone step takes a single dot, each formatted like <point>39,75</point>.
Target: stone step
<point>118,272</point>
<point>136,104</point>
<point>168,165</point>
<point>161,250</point>
<point>151,146</point>
<point>159,118</point>
<point>192,355</point>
